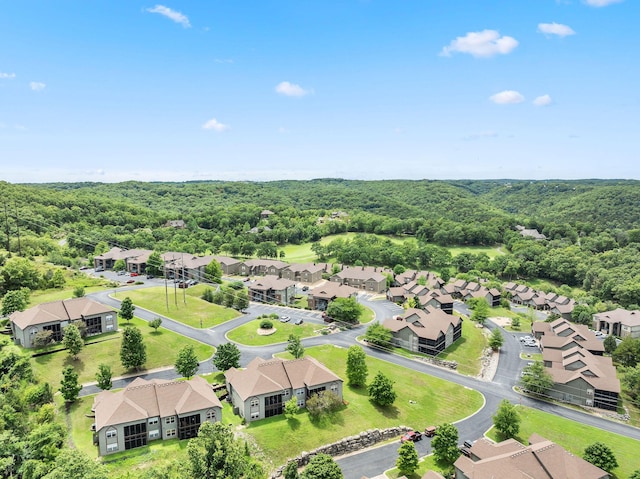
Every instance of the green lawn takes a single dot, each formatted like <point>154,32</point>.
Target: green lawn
<point>467,351</point>
<point>436,401</point>
<point>492,252</point>
<point>427,463</point>
<point>185,305</point>
<point>39,297</point>
<point>575,437</point>
<point>248,333</point>
<point>162,349</point>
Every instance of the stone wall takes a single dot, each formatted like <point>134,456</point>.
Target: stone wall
<point>439,362</point>
<point>347,445</point>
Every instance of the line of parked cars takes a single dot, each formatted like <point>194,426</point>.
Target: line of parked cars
<point>528,341</point>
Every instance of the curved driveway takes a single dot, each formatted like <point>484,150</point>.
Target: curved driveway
<point>373,461</point>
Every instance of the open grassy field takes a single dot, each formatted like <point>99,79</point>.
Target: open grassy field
<point>492,252</point>
<point>433,401</point>
<point>575,437</point>
<point>248,333</point>
<point>468,350</point>
<point>162,349</point>
<point>185,305</point>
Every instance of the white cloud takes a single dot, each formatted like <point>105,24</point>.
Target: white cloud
<point>7,75</point>
<point>486,43</point>
<point>37,86</point>
<point>601,3</point>
<point>291,89</point>
<point>507,97</point>
<point>171,14</point>
<point>543,100</point>
<point>215,125</point>
<point>555,29</point>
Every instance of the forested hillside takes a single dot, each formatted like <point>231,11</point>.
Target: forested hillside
<point>592,226</point>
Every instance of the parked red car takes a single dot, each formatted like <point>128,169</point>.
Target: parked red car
<point>411,436</point>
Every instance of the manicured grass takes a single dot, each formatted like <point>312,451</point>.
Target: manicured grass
<point>531,356</point>
<point>489,251</point>
<point>367,315</point>
<point>79,422</point>
<point>185,305</point>
<point>162,349</point>
<point>39,297</point>
<point>248,333</point>
<point>434,401</point>
<point>467,351</point>
<point>427,463</point>
<point>575,437</point>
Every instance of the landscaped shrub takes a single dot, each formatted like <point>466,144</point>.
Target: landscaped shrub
<point>266,324</point>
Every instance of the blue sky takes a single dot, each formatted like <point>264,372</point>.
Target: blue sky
<point>115,90</point>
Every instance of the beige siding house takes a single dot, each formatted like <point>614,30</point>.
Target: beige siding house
<point>619,322</point>
<point>260,390</point>
<point>272,289</point>
<point>56,315</point>
<point>303,273</point>
<point>145,411</point>
<point>362,277</point>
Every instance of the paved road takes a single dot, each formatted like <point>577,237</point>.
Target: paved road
<point>373,461</point>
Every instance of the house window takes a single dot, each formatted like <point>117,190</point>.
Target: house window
<point>112,447</point>
<point>300,392</point>
<point>255,403</point>
<point>170,420</point>
<point>171,433</point>
<point>255,415</point>
<point>334,388</point>
<point>154,434</point>
<point>286,393</point>
<point>188,426</point>
<point>153,420</point>
<point>300,402</point>
<point>211,415</point>
<point>33,331</point>
<point>135,435</point>
<point>111,433</point>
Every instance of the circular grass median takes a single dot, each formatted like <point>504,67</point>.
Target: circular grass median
<point>248,334</point>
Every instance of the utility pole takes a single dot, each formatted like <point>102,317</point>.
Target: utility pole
<point>18,228</point>
<point>166,288</point>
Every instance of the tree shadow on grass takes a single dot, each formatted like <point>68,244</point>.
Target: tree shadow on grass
<point>77,364</point>
<point>293,423</point>
<point>390,412</point>
<point>155,333</point>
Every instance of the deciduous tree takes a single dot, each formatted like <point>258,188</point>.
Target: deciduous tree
<point>290,408</point>
<point>241,300</point>
<point>445,444</point>
<point>294,346</point>
<point>480,311</point>
<point>72,340</point>
<point>187,362</point>
<point>407,461</point>
<point>69,386</point>
<point>507,420</point>
<point>127,308</point>
<point>536,379</point>
<point>381,390</point>
<point>226,356</point>
<point>495,339</point>
<point>15,300</point>
<point>600,455</point>
<point>610,344</point>
<point>133,352</point>
<point>155,323</point>
<point>356,366</point>
<point>347,310</point>
<point>103,377</point>
<point>322,466</point>
<point>291,470</point>
<point>628,352</point>
<point>378,335</point>
<point>213,272</point>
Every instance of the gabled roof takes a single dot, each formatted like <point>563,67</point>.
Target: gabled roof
<point>428,324</point>
<point>264,377</point>
<point>253,263</point>
<point>65,310</point>
<point>363,273</point>
<point>578,363</point>
<point>271,282</point>
<point>542,459</point>
<point>622,316</point>
<point>310,267</point>
<point>144,399</point>
<point>331,290</point>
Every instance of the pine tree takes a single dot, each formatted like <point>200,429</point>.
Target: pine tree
<point>127,308</point>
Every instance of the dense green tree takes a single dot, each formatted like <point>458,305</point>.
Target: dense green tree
<point>631,380</point>
<point>496,339</point>
<point>600,455</point>
<point>127,308</point>
<point>628,352</point>
<point>213,272</point>
<point>103,377</point>
<point>480,311</point>
<point>155,264</point>
<point>536,379</point>
<point>407,461</point>
<point>15,300</point>
<point>226,356</point>
<point>19,273</point>
<point>155,323</point>
<point>43,338</point>
<point>78,292</point>
<point>74,464</point>
<point>610,344</point>
<point>187,362</point>
<point>215,453</point>
<point>290,408</point>
<point>69,386</point>
<point>291,470</point>
<point>294,346</point>
<point>241,300</point>
<point>36,395</point>
<point>72,340</point>
<point>356,366</point>
<point>507,420</point>
<point>133,352</point>
<point>635,474</point>
<point>582,314</point>
<point>322,466</point>
<point>381,390</point>
<point>57,279</point>
<point>378,335</point>
<point>347,310</point>
<point>445,444</point>
<point>324,402</point>
<point>119,265</point>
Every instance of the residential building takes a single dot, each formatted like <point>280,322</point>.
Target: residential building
<point>135,259</point>
<point>271,289</point>
<point>303,273</point>
<point>320,296</point>
<point>56,315</point>
<point>262,267</point>
<point>178,224</point>
<point>362,277</point>
<point>619,322</point>
<point>562,334</point>
<point>541,459</point>
<point>145,411</point>
<point>429,331</point>
<point>260,390</point>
